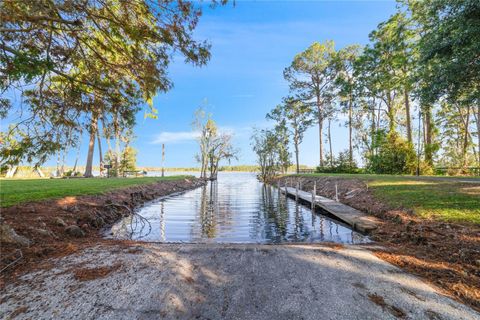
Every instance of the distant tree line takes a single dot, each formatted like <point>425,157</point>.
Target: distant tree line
<point>411,97</point>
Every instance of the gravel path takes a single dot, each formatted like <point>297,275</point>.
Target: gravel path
<point>199,281</point>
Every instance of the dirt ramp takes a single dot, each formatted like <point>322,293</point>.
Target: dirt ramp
<point>200,281</point>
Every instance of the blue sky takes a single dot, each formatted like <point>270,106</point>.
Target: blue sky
<point>252,42</point>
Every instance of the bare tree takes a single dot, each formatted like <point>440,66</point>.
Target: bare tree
<point>221,148</point>
<point>266,144</point>
<point>214,147</point>
<point>207,129</point>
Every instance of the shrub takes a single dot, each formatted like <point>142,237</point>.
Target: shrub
<point>70,173</point>
<point>341,164</point>
<point>394,156</point>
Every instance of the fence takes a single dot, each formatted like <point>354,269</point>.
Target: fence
<point>306,171</point>
<point>470,171</point>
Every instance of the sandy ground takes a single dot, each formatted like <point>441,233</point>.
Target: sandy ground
<point>199,281</point>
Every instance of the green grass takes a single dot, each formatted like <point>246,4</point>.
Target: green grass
<point>16,191</point>
<point>445,199</point>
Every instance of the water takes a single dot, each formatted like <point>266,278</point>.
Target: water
<point>173,173</point>
<point>235,209</point>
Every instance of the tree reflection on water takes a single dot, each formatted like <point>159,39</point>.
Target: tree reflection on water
<point>236,208</point>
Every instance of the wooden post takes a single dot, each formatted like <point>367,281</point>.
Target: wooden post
<point>286,186</point>
<point>296,193</point>
<point>336,192</point>
<point>163,159</point>
<point>313,200</point>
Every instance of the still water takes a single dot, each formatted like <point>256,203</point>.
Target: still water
<point>235,209</point>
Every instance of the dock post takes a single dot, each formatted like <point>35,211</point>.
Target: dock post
<point>313,200</point>
<point>336,192</point>
<point>296,191</point>
<point>286,188</point>
<point>314,194</point>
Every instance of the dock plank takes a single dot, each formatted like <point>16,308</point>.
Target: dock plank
<point>353,217</point>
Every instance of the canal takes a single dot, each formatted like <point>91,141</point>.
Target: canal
<point>235,209</point>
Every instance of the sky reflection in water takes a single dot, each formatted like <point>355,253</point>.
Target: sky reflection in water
<point>235,209</point>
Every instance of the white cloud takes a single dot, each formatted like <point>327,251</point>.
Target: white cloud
<point>176,137</point>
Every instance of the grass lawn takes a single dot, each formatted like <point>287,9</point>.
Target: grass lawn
<point>15,191</point>
<point>448,199</point>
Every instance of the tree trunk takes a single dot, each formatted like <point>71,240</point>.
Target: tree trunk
<point>99,146</point>
<point>465,138</point>
<point>65,151</point>
<point>350,145</point>
<point>373,130</point>
<point>477,119</point>
<point>211,165</point>
<point>109,149</point>
<point>320,134</point>
<point>428,128</point>
<point>320,128</point>
<point>216,168</point>
<point>117,153</point>
<point>206,167</point>
<point>78,154</point>
<point>57,173</point>
<point>107,139</point>
<point>64,155</point>
<point>407,113</point>
<point>91,146</point>
<point>424,130</point>
<point>330,143</point>
<point>296,152</point>
<point>203,171</point>
<point>379,118</point>
<point>100,155</point>
<point>114,153</point>
<point>391,113</point>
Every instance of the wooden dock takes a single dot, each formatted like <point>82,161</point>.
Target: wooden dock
<point>356,219</point>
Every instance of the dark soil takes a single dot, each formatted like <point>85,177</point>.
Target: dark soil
<point>445,254</point>
<point>378,300</point>
<point>88,274</point>
<point>48,224</point>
